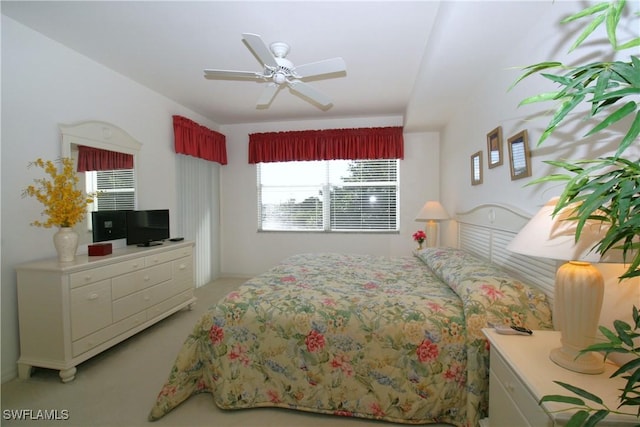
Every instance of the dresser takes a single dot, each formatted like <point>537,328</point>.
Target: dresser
<point>71,312</point>
<point>521,373</point>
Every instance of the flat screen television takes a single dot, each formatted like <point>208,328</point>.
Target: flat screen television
<point>147,228</point>
<point>109,225</point>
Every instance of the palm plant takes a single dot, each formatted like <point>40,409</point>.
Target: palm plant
<point>606,188</point>
<point>591,409</point>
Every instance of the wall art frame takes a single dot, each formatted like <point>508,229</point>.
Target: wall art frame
<point>519,155</point>
<point>494,148</point>
<point>476,168</point>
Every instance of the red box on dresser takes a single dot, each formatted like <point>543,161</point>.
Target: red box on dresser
<point>100,249</point>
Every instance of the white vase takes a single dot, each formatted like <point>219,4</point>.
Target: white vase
<point>66,242</point>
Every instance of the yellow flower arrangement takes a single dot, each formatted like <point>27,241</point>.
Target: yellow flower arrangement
<point>65,206</point>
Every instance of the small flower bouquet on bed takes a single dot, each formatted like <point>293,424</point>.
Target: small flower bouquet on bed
<point>419,236</point>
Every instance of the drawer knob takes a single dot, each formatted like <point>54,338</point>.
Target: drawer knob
<point>147,298</point>
<point>87,278</point>
<point>93,296</point>
<point>146,278</point>
<point>182,267</point>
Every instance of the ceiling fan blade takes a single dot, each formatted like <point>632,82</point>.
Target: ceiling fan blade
<point>260,49</point>
<point>229,74</point>
<point>334,65</point>
<point>309,92</point>
<point>268,94</point>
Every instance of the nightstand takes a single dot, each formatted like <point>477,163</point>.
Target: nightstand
<point>521,373</point>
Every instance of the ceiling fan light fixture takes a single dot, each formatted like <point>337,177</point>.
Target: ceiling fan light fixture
<point>279,78</point>
<point>279,49</point>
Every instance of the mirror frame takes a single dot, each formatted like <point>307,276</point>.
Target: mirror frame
<point>96,134</point>
<point>519,171</point>
<point>476,178</point>
<point>494,144</point>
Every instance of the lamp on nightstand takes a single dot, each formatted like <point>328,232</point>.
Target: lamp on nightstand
<point>431,212</point>
<point>579,286</point>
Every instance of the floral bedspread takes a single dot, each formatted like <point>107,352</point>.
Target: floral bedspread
<point>354,335</point>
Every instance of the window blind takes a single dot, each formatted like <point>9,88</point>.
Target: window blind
<point>334,195</point>
<point>115,189</point>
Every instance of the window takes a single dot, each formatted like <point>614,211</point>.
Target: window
<point>333,195</point>
<point>115,188</point>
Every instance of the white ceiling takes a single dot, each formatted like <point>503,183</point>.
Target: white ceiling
<point>416,59</point>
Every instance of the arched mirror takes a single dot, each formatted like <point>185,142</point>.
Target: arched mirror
<point>114,185</point>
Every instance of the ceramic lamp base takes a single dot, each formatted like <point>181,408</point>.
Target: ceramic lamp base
<point>588,363</point>
<point>579,291</point>
<point>432,234</point>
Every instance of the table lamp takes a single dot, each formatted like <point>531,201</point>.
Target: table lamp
<point>579,286</point>
<point>431,212</point>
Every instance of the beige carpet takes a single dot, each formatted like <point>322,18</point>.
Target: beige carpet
<point>118,387</point>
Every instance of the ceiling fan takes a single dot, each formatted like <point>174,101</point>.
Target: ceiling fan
<point>279,71</point>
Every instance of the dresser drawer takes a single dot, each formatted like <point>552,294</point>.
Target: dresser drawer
<point>90,308</point>
<point>139,280</point>
<point>100,273</point>
<point>503,411</point>
<point>87,343</point>
<point>510,388</point>
<point>167,256</point>
<point>183,273</point>
<point>164,291</point>
<point>164,306</point>
<point>131,304</point>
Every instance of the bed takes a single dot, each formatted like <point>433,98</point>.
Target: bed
<point>394,339</point>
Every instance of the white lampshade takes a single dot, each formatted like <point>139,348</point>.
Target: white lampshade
<point>431,212</point>
<point>579,286</point>
<point>546,236</point>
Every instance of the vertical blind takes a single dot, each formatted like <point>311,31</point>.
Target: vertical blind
<point>198,214</point>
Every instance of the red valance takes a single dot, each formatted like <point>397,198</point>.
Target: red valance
<point>196,140</point>
<point>330,144</point>
<point>96,159</point>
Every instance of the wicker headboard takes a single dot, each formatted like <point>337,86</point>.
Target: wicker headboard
<point>486,230</point>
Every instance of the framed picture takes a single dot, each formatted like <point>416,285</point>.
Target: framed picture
<point>494,148</point>
<point>519,155</point>
<point>476,168</point>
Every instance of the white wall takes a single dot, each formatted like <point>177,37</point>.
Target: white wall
<point>493,105</point>
<point>248,252</point>
<point>45,84</point>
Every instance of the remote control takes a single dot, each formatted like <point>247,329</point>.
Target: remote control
<point>176,239</point>
<point>512,330</point>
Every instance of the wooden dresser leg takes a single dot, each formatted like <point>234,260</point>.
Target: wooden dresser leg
<point>24,371</point>
<point>67,375</point>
